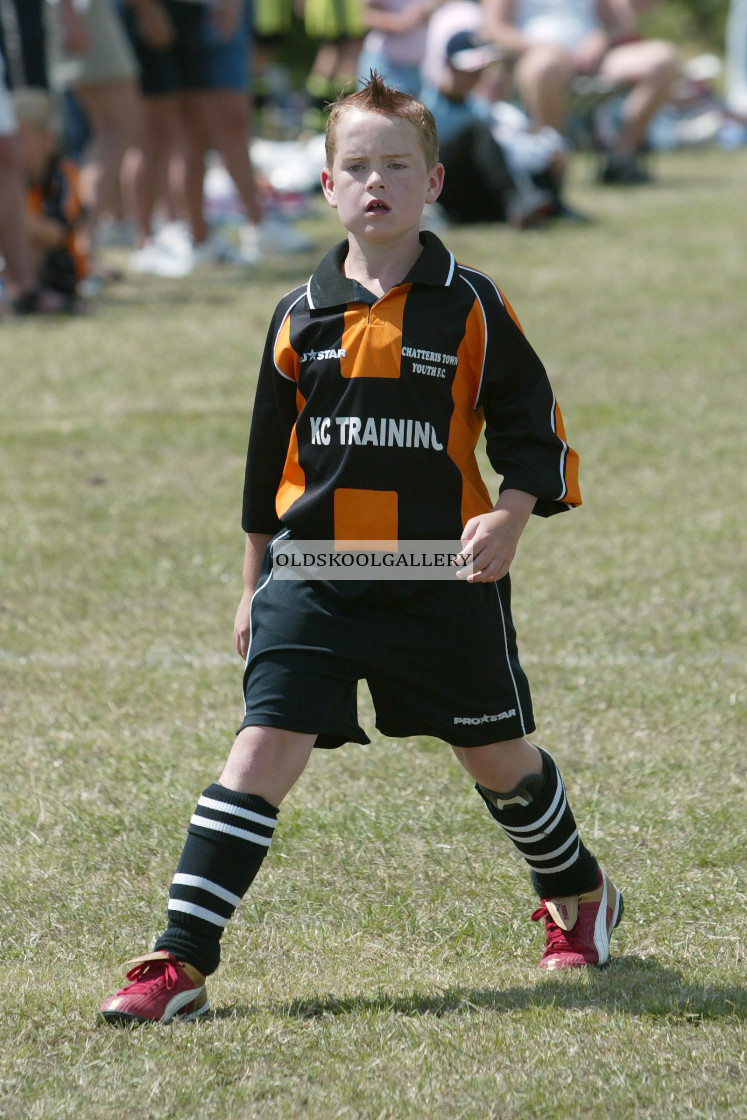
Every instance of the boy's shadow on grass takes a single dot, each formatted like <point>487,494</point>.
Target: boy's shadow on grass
<point>630,984</point>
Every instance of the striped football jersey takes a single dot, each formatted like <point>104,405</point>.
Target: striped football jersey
<point>368,411</point>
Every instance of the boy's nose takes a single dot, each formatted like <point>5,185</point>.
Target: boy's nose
<point>375,178</point>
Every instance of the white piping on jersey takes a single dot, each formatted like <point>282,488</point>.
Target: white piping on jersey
<point>275,339</point>
<point>284,533</point>
<point>497,290</point>
<point>452,266</point>
<point>508,663</point>
<point>485,339</point>
<point>564,451</point>
<point>447,282</point>
<point>563,454</point>
<point>490,280</point>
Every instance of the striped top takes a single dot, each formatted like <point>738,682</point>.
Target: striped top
<point>368,411</point>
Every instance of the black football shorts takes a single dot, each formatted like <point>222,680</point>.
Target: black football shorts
<point>439,658</point>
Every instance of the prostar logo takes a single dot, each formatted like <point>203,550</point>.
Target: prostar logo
<point>475,721</point>
<point>320,355</point>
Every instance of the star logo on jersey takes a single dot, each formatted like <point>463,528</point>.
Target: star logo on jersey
<point>320,355</point>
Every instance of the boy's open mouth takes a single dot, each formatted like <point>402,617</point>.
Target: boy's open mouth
<point>377,206</point>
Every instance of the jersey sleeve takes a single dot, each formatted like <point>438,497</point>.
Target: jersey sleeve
<point>274,415</point>
<point>524,430</point>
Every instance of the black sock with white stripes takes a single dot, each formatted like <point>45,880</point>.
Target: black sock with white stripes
<point>227,840</point>
<point>537,818</point>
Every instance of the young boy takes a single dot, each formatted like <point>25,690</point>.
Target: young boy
<point>54,212</point>
<point>388,334</point>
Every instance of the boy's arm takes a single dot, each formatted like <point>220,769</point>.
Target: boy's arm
<point>273,416</point>
<point>46,233</point>
<point>524,430</point>
<point>493,537</point>
<point>256,543</point>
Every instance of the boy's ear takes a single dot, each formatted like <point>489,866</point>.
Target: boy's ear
<point>435,182</point>
<point>328,186</point>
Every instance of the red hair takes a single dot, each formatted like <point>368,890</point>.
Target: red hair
<point>377,97</point>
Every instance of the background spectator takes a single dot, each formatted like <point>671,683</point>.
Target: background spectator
<point>219,117</point>
<point>736,62</point>
<point>446,21</point>
<point>395,42</point>
<point>18,278</point>
<point>194,60</point>
<point>339,28</point>
<point>104,80</point>
<point>23,43</point>
<point>168,38</point>
<point>486,180</point>
<point>552,43</point>
<point>53,204</point>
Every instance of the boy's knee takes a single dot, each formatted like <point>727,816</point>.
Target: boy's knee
<point>266,761</point>
<point>500,766</point>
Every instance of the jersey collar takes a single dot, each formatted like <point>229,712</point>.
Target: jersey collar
<point>329,287</point>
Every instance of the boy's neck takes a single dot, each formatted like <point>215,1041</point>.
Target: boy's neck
<point>380,267</point>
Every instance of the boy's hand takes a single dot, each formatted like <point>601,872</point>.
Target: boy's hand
<point>242,626</point>
<point>256,543</point>
<point>493,537</point>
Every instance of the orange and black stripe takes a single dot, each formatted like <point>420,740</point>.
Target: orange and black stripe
<point>368,411</point>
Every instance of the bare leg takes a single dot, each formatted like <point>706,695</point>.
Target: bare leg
<point>650,67</point>
<point>13,238</point>
<point>543,74</point>
<point>500,766</point>
<point>161,137</point>
<point>114,113</point>
<point>266,761</point>
<point>229,117</point>
<point>194,119</point>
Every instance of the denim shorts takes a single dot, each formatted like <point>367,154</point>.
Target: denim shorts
<point>229,59</point>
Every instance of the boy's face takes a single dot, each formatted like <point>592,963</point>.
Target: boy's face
<point>35,147</point>
<point>379,181</point>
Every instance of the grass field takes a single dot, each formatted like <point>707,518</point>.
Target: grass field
<point>384,965</point>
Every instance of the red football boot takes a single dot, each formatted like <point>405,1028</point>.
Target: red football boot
<point>161,988</point>
<point>578,928</point>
